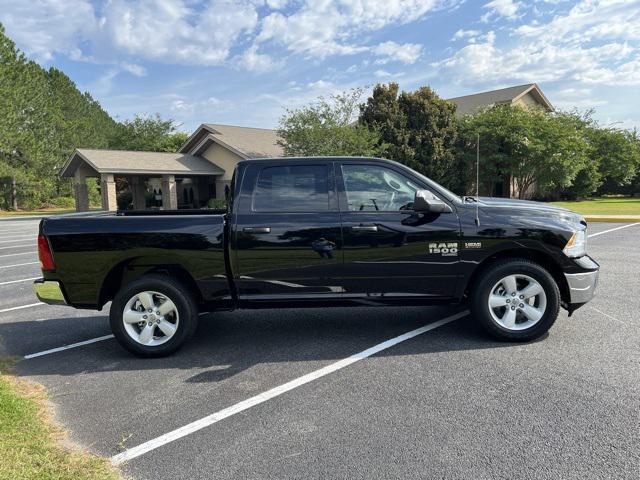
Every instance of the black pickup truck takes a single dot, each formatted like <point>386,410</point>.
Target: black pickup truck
<point>304,232</point>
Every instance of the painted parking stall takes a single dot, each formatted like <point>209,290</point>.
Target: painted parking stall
<point>408,397</point>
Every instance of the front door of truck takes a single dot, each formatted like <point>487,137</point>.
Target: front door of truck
<point>287,236</point>
<point>390,251</point>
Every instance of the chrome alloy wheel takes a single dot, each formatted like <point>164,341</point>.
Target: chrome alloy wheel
<point>517,302</point>
<point>150,318</point>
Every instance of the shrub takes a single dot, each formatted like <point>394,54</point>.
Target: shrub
<point>217,203</point>
<point>63,202</point>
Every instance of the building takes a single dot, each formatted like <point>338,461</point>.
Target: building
<point>199,172</point>
<point>203,167</point>
<point>528,95</point>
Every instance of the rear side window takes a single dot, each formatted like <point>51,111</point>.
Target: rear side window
<point>295,188</point>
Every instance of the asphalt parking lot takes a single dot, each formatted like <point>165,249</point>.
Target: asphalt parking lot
<point>448,403</point>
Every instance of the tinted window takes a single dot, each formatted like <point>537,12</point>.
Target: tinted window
<point>302,188</point>
<point>374,188</point>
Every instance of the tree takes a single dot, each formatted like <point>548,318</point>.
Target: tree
<point>145,133</point>
<point>617,153</point>
<point>24,109</point>
<point>418,128</point>
<point>43,117</point>
<point>540,151</point>
<point>328,127</point>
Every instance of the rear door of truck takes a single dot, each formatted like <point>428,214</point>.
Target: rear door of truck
<point>286,241</point>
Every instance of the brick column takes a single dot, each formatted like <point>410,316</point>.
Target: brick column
<point>169,193</point>
<point>108,190</point>
<point>81,191</point>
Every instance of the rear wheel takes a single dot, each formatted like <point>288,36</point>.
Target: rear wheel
<point>516,300</point>
<point>153,316</point>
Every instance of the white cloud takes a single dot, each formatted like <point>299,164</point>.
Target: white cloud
<point>590,20</point>
<point>584,45</point>
<point>460,34</point>
<point>43,28</point>
<point>277,4</point>
<point>200,107</point>
<point>254,61</point>
<point>170,31</point>
<point>385,74</point>
<point>321,85</point>
<point>321,28</point>
<point>211,32</point>
<point>502,8</point>
<point>134,69</point>
<point>402,52</point>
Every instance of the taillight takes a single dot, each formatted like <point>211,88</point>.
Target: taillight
<point>44,252</point>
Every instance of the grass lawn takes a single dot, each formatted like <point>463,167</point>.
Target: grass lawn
<point>43,211</point>
<point>604,206</point>
<point>30,443</point>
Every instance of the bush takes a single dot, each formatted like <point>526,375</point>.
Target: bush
<point>63,202</point>
<point>217,203</point>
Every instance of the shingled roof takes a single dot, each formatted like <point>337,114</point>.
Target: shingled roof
<point>130,162</point>
<point>247,142</point>
<point>470,104</point>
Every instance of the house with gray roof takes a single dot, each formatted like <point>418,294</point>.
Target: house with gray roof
<point>202,169</point>
<point>198,172</point>
<point>528,95</point>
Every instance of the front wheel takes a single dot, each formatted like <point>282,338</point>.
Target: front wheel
<point>153,316</point>
<point>516,300</point>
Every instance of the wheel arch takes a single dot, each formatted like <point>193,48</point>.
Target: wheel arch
<point>541,258</point>
<point>132,269</point>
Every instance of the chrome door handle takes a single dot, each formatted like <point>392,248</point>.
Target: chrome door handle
<point>256,229</point>
<point>365,228</point>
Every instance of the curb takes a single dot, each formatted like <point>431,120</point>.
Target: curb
<point>613,218</point>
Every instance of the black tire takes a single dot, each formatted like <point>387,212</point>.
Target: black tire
<point>490,277</point>
<point>186,308</point>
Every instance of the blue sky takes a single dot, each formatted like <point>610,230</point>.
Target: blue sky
<point>244,62</point>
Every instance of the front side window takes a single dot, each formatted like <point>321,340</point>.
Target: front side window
<point>296,188</point>
<point>375,188</point>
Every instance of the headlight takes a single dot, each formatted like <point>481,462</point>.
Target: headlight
<point>577,244</point>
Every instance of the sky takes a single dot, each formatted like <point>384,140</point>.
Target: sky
<point>244,62</point>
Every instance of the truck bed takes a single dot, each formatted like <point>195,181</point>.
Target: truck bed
<point>103,249</point>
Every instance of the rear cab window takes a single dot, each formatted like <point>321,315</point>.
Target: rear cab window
<point>291,188</point>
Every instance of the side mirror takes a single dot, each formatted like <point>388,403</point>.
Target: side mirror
<point>426,202</point>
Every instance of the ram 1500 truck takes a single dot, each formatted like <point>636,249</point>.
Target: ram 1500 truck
<point>304,232</point>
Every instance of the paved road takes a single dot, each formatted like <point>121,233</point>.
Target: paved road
<point>450,403</point>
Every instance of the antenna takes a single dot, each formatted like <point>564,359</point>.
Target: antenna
<point>478,179</point>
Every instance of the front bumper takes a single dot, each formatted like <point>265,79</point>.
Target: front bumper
<point>49,292</point>
<point>582,286</point>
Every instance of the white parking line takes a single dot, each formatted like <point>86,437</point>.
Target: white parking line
<point>274,392</point>
<point>21,307</point>
<point>18,233</point>
<point>18,246</point>
<point>19,265</point>
<point>67,347</point>
<point>20,240</point>
<point>613,229</point>
<point>607,315</point>
<point>19,281</point>
<point>15,254</point>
